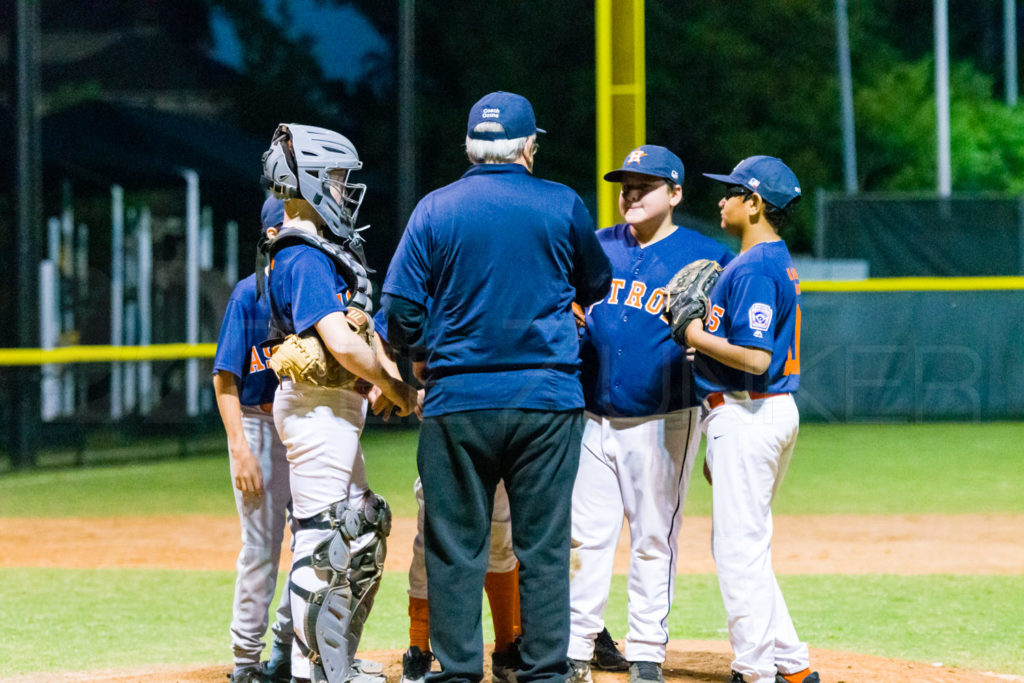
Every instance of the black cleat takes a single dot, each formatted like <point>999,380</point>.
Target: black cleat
<point>606,654</point>
<point>645,672</point>
<point>415,665</point>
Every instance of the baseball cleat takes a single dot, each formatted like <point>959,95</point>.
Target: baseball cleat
<point>505,666</point>
<point>579,672</point>
<point>249,673</point>
<point>278,669</point>
<point>606,654</point>
<point>415,665</point>
<point>812,678</point>
<point>645,672</point>
<point>737,677</point>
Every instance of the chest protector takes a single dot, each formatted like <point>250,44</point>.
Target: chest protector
<point>348,265</point>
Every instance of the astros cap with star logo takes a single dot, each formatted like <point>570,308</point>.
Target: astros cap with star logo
<point>652,160</point>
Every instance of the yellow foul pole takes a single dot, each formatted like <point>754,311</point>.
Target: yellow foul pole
<point>621,94</point>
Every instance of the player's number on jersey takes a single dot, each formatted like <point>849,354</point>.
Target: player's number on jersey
<point>792,366</point>
<point>715,318</point>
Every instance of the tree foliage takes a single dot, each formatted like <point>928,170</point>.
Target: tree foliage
<point>725,80</point>
<point>898,139</point>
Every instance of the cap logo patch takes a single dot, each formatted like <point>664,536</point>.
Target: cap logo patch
<point>760,318</point>
<point>797,189</point>
<point>675,175</point>
<point>492,113</point>
<point>635,156</point>
<point>754,182</point>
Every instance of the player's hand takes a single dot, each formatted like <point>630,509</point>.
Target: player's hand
<point>246,471</point>
<point>580,315</point>
<point>419,371</point>
<point>420,396</point>
<point>707,471</point>
<point>402,395</point>
<point>380,404</point>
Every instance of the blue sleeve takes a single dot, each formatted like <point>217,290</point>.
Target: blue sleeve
<point>752,311</point>
<point>592,271</point>
<point>380,320</point>
<point>409,273</point>
<point>232,351</point>
<point>313,293</point>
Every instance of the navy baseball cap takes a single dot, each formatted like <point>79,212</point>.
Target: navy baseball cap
<point>650,160</point>
<point>272,213</point>
<point>513,112</point>
<point>767,176</point>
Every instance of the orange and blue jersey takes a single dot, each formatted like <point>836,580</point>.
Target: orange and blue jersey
<point>300,291</point>
<point>240,346</point>
<point>631,365</point>
<point>755,303</point>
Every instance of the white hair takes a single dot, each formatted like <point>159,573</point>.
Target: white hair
<point>500,151</point>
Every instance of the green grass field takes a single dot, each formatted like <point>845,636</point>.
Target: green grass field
<point>64,620</point>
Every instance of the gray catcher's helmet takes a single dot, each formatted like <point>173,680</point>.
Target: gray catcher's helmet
<point>306,162</point>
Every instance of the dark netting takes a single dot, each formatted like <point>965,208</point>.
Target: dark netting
<point>911,356</point>
<point>925,236</point>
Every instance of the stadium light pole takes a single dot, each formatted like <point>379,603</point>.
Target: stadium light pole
<point>406,112</point>
<point>24,390</point>
<point>846,98</point>
<point>1010,50</point>
<point>945,180</point>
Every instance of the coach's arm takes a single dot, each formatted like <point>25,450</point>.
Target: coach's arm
<point>592,271</point>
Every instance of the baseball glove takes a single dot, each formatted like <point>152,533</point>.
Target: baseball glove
<point>305,358</point>
<point>688,295</point>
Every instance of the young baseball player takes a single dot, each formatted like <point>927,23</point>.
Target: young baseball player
<point>317,286</point>
<point>640,435</point>
<point>501,582</point>
<point>747,367</point>
<point>245,387</point>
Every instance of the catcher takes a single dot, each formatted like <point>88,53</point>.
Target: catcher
<point>319,300</point>
<point>640,435</point>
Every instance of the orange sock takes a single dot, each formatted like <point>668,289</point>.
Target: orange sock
<point>503,595</point>
<point>517,616</point>
<point>798,677</point>
<point>419,624</point>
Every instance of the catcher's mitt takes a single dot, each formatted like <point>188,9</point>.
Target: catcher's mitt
<point>305,358</point>
<point>688,295</point>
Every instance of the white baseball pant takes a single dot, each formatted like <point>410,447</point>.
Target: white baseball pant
<point>501,560</point>
<point>638,467</point>
<point>749,446</point>
<point>320,429</point>
<point>262,520</point>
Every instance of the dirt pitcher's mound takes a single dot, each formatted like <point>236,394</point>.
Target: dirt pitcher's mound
<point>689,661</point>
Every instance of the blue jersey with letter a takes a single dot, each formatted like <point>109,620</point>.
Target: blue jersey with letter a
<point>240,348</point>
<point>755,303</point>
<point>631,365</point>
<point>304,288</point>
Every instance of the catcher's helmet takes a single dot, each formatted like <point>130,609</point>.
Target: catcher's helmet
<point>306,162</point>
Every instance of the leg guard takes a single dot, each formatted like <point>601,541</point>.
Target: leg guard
<point>367,565</point>
<point>335,615</point>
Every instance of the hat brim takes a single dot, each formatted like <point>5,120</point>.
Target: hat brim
<point>495,135</point>
<point>727,179</point>
<point>616,175</point>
